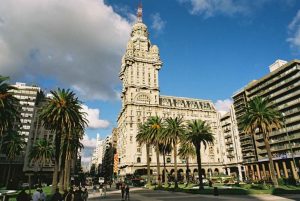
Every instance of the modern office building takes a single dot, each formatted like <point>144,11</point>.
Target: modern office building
<point>28,97</point>
<point>282,86</point>
<point>232,153</point>
<point>141,99</point>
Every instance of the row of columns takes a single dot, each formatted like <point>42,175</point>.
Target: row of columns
<point>258,173</point>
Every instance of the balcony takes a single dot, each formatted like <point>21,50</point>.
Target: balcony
<point>249,148</point>
<point>246,142</point>
<point>230,155</point>
<point>227,136</point>
<point>229,149</point>
<point>228,142</point>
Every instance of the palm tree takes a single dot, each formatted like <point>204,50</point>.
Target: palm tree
<point>13,145</point>
<point>70,147</point>
<point>173,131</point>
<point>186,151</point>
<point>61,114</point>
<point>9,113</point>
<point>42,153</point>
<point>155,128</point>
<point>262,116</point>
<point>199,132</point>
<point>165,149</point>
<point>142,137</point>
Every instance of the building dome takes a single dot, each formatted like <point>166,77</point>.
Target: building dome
<point>139,29</point>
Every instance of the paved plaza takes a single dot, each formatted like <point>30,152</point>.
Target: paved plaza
<point>140,194</point>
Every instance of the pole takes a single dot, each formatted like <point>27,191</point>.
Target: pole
<point>290,146</point>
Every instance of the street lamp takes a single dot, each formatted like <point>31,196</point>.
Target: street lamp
<point>290,146</point>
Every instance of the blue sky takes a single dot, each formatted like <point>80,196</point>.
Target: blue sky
<point>210,48</point>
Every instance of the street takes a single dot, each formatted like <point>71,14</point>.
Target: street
<point>140,194</point>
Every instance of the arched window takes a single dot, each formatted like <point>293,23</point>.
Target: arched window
<point>168,160</point>
<point>138,160</point>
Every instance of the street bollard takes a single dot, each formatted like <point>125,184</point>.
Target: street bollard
<point>216,191</point>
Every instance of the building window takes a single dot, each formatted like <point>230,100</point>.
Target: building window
<point>168,160</point>
<point>138,160</point>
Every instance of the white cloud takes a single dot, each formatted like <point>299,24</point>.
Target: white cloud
<point>223,106</point>
<point>88,142</point>
<point>210,8</point>
<point>93,117</point>
<point>294,30</point>
<point>77,43</point>
<point>157,23</point>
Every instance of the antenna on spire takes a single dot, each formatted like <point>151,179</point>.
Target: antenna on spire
<point>140,13</point>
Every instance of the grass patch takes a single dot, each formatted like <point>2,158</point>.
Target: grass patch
<point>245,189</point>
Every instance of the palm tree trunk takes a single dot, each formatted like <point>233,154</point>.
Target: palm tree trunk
<point>175,164</point>
<point>187,172</point>
<point>65,187</point>
<point>165,169</point>
<point>61,180</point>
<point>148,165</point>
<point>8,174</point>
<point>158,166</point>
<point>55,177</point>
<point>67,174</point>
<point>272,169</point>
<point>198,148</point>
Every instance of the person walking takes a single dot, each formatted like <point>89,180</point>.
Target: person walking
<point>101,190</point>
<point>78,195</point>
<point>127,192</point>
<point>36,195</point>
<point>57,196</point>
<point>43,195</point>
<point>122,190</point>
<point>70,195</point>
<point>23,196</point>
<point>85,195</point>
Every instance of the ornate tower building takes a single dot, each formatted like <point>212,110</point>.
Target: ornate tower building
<point>141,99</point>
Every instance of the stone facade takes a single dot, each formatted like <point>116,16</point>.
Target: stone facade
<point>141,99</point>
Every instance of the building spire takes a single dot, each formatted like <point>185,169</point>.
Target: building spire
<point>140,13</point>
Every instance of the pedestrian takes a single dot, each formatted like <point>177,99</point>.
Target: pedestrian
<point>43,195</point>
<point>23,196</point>
<point>122,190</point>
<point>70,195</point>
<point>57,196</point>
<point>85,195</point>
<point>101,190</point>
<point>78,194</point>
<point>127,192</point>
<point>36,195</point>
<point>94,189</point>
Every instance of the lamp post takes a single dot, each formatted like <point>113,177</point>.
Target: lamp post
<point>290,145</point>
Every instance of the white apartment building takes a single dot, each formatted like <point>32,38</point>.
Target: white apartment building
<point>141,99</point>
<point>231,149</point>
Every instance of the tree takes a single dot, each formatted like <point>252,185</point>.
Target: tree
<point>261,116</point>
<point>13,145</point>
<point>165,149</point>
<point>173,131</point>
<point>9,113</point>
<point>142,137</point>
<point>186,151</point>
<point>61,114</point>
<point>199,132</point>
<point>155,128</point>
<point>42,153</point>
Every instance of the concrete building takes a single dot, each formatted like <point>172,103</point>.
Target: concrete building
<point>27,96</point>
<point>98,153</point>
<point>282,86</point>
<point>141,99</point>
<point>232,153</point>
